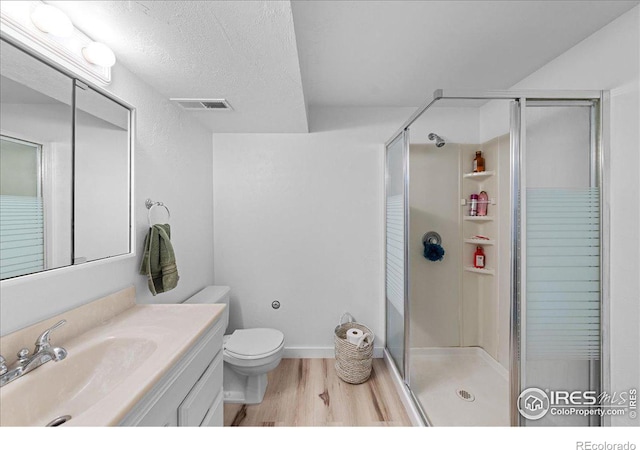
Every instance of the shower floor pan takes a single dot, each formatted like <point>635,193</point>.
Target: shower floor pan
<point>460,386</point>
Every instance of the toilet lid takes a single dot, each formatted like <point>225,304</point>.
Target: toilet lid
<point>254,342</point>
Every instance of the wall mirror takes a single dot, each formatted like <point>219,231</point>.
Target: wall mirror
<point>65,169</point>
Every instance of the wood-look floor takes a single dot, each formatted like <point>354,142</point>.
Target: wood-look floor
<point>308,392</point>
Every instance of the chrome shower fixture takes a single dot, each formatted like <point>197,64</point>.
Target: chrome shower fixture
<point>439,141</point>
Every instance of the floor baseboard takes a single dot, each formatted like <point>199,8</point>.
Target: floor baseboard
<point>321,352</point>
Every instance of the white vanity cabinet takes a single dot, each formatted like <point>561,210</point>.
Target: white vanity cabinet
<point>190,393</point>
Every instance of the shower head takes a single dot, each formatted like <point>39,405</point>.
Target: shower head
<point>439,141</point>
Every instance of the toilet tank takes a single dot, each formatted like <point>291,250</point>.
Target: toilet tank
<point>213,294</point>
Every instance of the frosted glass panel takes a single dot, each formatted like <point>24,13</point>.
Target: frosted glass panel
<point>395,250</point>
<point>563,273</point>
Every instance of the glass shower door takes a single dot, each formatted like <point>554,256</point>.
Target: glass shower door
<point>561,231</point>
<point>395,237</point>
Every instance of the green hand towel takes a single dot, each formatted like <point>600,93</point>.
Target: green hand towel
<point>159,260</point>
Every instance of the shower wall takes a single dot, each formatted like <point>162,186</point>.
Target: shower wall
<point>451,307</point>
<point>486,298</point>
<point>503,265</point>
<point>435,288</point>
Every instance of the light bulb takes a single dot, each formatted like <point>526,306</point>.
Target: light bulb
<point>50,19</point>
<point>99,54</point>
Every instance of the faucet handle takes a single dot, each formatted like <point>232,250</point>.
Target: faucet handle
<point>43,340</point>
<point>23,355</point>
<point>3,365</point>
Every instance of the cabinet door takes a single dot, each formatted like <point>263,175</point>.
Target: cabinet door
<point>195,406</point>
<point>215,416</point>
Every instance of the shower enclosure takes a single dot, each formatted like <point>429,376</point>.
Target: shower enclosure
<point>496,279</point>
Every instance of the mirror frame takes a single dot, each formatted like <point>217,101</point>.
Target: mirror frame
<point>75,78</point>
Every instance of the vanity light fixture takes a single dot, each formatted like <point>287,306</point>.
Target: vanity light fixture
<point>99,54</point>
<point>47,31</point>
<point>50,19</point>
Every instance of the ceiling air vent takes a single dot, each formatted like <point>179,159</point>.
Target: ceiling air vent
<point>212,104</point>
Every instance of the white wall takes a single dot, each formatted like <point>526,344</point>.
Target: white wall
<point>173,165</point>
<point>610,60</point>
<point>299,219</point>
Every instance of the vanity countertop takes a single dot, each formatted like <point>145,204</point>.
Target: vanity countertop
<point>109,368</point>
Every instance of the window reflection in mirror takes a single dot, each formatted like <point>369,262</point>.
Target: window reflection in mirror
<point>21,208</point>
<point>36,165</point>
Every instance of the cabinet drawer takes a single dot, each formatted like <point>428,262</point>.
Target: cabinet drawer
<point>193,409</point>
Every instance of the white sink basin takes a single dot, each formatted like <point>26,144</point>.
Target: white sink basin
<point>108,369</point>
<point>71,386</point>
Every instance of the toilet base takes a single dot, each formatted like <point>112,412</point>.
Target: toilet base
<point>242,388</point>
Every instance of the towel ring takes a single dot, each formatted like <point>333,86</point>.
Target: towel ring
<point>150,204</point>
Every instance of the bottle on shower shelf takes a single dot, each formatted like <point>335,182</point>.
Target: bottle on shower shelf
<point>473,205</point>
<point>483,203</point>
<point>478,258</point>
<point>478,162</point>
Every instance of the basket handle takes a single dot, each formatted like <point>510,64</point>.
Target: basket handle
<point>363,340</point>
<point>349,319</point>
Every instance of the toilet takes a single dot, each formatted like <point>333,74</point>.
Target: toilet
<point>248,354</point>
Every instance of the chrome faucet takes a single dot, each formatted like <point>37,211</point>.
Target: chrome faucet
<point>43,352</point>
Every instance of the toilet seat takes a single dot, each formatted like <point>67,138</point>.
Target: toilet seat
<point>253,343</point>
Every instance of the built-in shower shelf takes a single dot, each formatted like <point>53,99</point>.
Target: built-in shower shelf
<point>479,218</point>
<point>479,176</point>
<point>491,201</point>
<point>481,271</point>
<point>480,241</point>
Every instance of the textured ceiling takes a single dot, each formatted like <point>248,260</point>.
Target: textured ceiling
<point>244,51</point>
<point>396,53</point>
<point>271,59</point>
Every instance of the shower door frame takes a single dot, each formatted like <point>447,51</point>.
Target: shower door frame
<point>404,135</point>
<point>517,132</point>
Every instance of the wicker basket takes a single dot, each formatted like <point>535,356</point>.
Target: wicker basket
<point>353,361</point>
